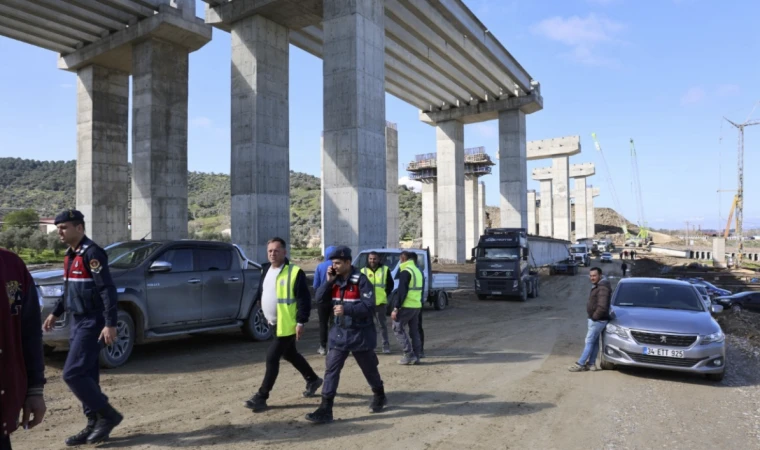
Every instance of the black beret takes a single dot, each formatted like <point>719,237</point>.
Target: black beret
<point>68,216</point>
<point>340,252</point>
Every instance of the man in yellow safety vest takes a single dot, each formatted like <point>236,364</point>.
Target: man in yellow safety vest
<point>379,276</point>
<point>406,313</point>
<point>286,303</point>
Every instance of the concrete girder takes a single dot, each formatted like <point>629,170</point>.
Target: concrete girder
<point>115,51</point>
<point>576,171</point>
<point>34,40</point>
<point>475,56</point>
<point>51,25</point>
<point>485,111</point>
<point>473,29</point>
<point>428,37</point>
<point>31,30</point>
<point>401,93</point>
<point>542,174</point>
<point>549,148</point>
<point>82,13</point>
<point>106,10</point>
<point>130,7</point>
<point>294,14</point>
<point>62,19</point>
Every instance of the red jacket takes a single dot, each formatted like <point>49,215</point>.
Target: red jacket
<point>22,367</point>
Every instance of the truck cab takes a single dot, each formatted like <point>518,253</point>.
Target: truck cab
<point>501,265</point>
<point>580,253</point>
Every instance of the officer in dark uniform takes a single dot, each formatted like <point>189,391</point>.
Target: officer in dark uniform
<point>353,297</point>
<point>22,368</point>
<point>90,299</point>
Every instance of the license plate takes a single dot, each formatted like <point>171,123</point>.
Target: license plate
<point>496,292</point>
<point>663,352</point>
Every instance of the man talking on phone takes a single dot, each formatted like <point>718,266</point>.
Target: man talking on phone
<point>285,300</point>
<point>353,300</point>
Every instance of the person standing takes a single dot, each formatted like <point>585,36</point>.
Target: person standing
<point>90,298</point>
<point>598,310</point>
<point>407,312</point>
<point>324,311</point>
<point>22,377</point>
<point>379,276</point>
<point>353,300</point>
<point>285,300</point>
<point>624,266</point>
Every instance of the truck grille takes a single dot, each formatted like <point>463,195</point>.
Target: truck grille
<point>663,360</point>
<point>496,273</point>
<point>657,339</point>
<point>496,285</point>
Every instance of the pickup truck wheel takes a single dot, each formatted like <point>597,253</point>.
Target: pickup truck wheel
<point>256,326</point>
<point>441,301</point>
<point>118,353</point>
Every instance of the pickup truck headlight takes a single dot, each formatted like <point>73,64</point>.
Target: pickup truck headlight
<point>53,290</point>
<point>620,332</point>
<point>713,338</point>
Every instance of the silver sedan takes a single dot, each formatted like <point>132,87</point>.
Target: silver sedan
<point>663,324</point>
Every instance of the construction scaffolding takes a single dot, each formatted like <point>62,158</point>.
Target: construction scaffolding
<point>476,162</point>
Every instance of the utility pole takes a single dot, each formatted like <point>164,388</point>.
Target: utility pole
<point>740,188</point>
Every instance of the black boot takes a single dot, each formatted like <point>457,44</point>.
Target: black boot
<point>379,400</point>
<point>108,419</point>
<point>81,437</point>
<point>312,386</point>
<point>257,403</point>
<point>323,414</point>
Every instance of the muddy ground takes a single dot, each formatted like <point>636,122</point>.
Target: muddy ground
<point>495,378</point>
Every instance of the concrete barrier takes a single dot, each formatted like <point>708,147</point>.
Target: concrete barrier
<point>671,252</point>
<point>545,251</point>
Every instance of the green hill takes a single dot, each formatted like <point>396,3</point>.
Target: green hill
<point>49,186</point>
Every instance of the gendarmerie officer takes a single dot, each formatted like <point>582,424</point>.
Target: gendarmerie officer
<point>90,299</point>
<point>353,297</point>
<point>22,373</point>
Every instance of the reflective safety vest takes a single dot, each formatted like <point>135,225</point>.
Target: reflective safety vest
<point>286,300</point>
<point>378,279</point>
<point>414,295</point>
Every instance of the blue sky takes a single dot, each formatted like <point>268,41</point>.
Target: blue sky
<point>661,72</point>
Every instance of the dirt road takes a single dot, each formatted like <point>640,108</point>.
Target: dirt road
<point>495,377</point>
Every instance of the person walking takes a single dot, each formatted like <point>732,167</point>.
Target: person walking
<point>421,355</point>
<point>22,377</point>
<point>406,313</point>
<point>353,300</point>
<point>90,299</point>
<point>624,266</point>
<point>324,311</point>
<point>285,300</point>
<point>598,310</point>
<point>633,255</point>
<point>379,276</point>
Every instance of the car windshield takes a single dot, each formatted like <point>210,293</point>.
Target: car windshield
<point>606,254</point>
<point>578,249</point>
<point>657,295</point>
<point>501,253</point>
<point>129,255</point>
<point>701,290</point>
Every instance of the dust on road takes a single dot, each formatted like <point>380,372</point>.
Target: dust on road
<point>495,376</point>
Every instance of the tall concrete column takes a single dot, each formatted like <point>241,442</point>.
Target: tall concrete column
<point>591,192</point>
<point>451,204</point>
<point>159,140</point>
<point>482,211</point>
<point>102,178</point>
<point>581,211</point>
<point>354,170</point>
<point>471,212</point>
<point>430,216</point>
<point>532,212</point>
<point>391,184</point>
<point>561,196</point>
<point>260,162</point>
<point>546,224</point>
<point>513,172</point>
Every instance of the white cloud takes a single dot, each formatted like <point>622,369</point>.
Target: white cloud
<point>485,130</point>
<point>728,90</point>
<point>694,95</point>
<point>584,36</point>
<point>413,185</point>
<point>201,122</point>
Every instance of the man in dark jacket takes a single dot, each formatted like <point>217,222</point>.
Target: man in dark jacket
<point>353,300</point>
<point>324,311</point>
<point>285,300</point>
<point>407,307</point>
<point>90,299</point>
<point>598,310</point>
<point>23,369</point>
<point>379,275</point>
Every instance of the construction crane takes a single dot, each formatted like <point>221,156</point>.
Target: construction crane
<point>643,227</point>
<point>730,215</point>
<point>739,199</point>
<point>623,225</point>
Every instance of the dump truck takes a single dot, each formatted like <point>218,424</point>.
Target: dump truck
<point>501,265</point>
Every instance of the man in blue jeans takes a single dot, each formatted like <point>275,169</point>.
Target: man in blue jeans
<point>598,310</point>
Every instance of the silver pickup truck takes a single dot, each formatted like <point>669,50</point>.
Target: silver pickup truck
<point>168,288</point>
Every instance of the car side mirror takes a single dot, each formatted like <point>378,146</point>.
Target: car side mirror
<point>160,266</point>
<point>716,309</point>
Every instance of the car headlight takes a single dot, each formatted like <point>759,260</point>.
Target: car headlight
<point>53,290</point>
<point>712,338</point>
<point>515,284</point>
<point>618,331</point>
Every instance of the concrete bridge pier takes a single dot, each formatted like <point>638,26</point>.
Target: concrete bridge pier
<point>546,212</point>
<point>430,215</point>
<point>591,192</point>
<point>451,201</point>
<point>391,183</point>
<point>579,173</point>
<point>532,212</point>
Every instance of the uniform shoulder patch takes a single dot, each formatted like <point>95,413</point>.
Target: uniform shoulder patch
<point>95,266</point>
